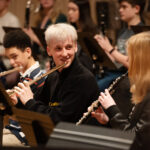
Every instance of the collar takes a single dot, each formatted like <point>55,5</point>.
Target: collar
<point>65,72</point>
<point>29,70</point>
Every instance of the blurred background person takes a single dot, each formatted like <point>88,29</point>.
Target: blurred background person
<point>79,15</point>
<point>131,14</point>
<point>6,19</point>
<point>48,13</point>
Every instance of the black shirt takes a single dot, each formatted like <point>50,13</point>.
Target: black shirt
<point>66,96</point>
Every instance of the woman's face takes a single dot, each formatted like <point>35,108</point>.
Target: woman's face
<point>47,3</point>
<point>73,12</point>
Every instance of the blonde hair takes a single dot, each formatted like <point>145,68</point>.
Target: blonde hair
<point>56,11</point>
<point>60,32</point>
<point>139,65</point>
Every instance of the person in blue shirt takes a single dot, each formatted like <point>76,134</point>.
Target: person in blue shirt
<point>130,13</point>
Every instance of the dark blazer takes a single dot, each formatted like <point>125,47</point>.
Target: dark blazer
<point>66,95</point>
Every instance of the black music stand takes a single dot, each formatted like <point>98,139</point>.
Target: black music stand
<point>8,29</point>
<point>69,136</point>
<point>40,34</point>
<point>138,29</point>
<point>91,47</point>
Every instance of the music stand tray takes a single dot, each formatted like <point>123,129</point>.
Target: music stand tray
<point>138,29</point>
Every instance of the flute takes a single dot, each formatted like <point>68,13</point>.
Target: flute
<point>96,103</point>
<point>10,71</point>
<point>11,92</point>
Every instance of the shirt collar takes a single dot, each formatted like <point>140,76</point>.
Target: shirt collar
<point>28,71</point>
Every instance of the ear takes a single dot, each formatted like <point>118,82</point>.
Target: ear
<point>76,47</point>
<point>28,51</point>
<point>48,51</point>
<point>137,7</point>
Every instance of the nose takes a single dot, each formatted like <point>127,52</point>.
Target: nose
<point>65,53</point>
<point>120,9</point>
<point>12,62</point>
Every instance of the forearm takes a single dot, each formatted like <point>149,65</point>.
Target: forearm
<point>37,106</point>
<point>116,119</point>
<point>120,57</point>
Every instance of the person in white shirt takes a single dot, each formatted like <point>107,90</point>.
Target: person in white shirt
<point>6,19</point>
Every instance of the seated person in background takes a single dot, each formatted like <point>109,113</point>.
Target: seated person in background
<point>49,13</point>
<point>6,19</point>
<point>79,15</point>
<point>18,50</point>
<point>139,72</point>
<point>130,13</point>
<point>67,92</point>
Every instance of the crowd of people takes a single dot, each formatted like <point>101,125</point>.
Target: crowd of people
<point>67,93</point>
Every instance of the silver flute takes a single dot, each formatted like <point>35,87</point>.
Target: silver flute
<point>96,103</point>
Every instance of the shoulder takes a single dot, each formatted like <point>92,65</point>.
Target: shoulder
<point>51,78</point>
<point>13,19</point>
<point>61,18</point>
<point>83,77</point>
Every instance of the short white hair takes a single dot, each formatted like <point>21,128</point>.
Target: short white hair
<point>60,32</point>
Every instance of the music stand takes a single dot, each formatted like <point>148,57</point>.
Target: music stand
<point>5,108</point>
<point>40,34</point>
<point>36,126</point>
<point>91,47</point>
<point>8,29</point>
<point>138,29</point>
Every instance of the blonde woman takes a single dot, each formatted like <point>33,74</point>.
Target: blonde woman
<point>49,13</point>
<point>139,74</point>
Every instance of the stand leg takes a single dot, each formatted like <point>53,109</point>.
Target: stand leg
<point>1,129</point>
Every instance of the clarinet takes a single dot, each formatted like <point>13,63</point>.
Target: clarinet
<point>96,103</point>
<point>27,14</point>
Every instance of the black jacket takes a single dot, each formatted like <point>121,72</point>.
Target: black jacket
<point>66,95</point>
<point>139,116</point>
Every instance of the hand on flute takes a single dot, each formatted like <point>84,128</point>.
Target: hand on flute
<point>24,92</point>
<point>100,115</point>
<point>13,96</point>
<point>106,100</point>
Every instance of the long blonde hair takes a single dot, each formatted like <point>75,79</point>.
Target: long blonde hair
<point>139,65</point>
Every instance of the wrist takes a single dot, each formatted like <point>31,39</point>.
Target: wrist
<point>112,50</point>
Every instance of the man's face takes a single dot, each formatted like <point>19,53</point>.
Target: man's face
<point>127,11</point>
<point>17,57</point>
<point>62,51</point>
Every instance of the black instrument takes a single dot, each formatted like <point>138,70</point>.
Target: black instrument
<point>27,14</point>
